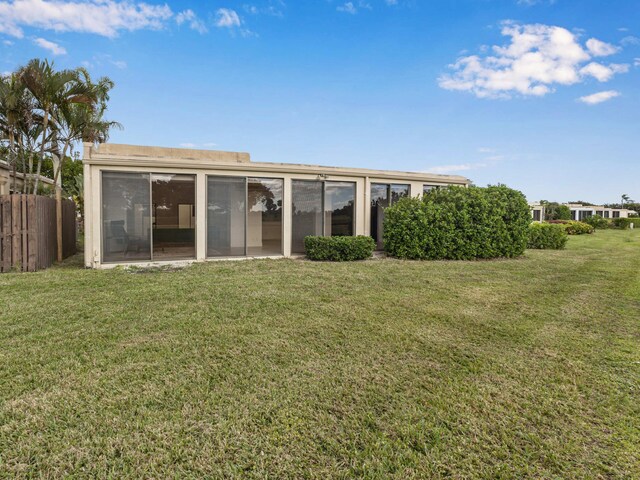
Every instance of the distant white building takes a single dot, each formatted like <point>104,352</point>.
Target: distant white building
<point>581,212</point>
<point>537,211</point>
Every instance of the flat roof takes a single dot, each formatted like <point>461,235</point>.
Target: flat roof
<point>149,156</point>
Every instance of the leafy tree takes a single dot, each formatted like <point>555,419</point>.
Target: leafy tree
<point>556,211</point>
<point>44,114</point>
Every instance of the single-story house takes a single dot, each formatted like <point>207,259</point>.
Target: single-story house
<point>580,212</point>
<point>152,204</point>
<point>6,179</point>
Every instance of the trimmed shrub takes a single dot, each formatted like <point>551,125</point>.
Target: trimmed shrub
<point>339,249</point>
<point>624,223</point>
<point>458,223</point>
<point>547,236</point>
<point>573,227</point>
<point>597,222</point>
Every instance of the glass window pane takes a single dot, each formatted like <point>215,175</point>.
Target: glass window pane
<point>264,216</point>
<point>173,200</point>
<point>398,192</point>
<point>339,202</point>
<point>428,188</point>
<point>226,216</point>
<point>126,217</point>
<point>307,212</point>
<point>379,201</point>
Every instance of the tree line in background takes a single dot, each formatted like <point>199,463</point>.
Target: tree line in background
<point>44,114</point>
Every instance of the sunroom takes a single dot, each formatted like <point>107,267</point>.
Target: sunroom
<point>156,205</point>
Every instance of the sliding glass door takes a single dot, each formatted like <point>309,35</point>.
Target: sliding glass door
<point>147,217</point>
<point>226,216</point>
<point>379,201</point>
<point>321,208</point>
<point>174,216</point>
<point>264,216</point>
<point>244,216</point>
<point>339,209</point>
<point>126,217</point>
<point>383,195</point>
<point>307,212</point>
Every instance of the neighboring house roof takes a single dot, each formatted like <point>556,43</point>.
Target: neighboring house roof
<point>7,172</point>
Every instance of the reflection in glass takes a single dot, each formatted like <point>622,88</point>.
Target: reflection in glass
<point>339,202</point>
<point>174,217</point>
<point>264,216</point>
<point>379,201</point>
<point>307,212</point>
<point>126,217</point>
<point>398,192</point>
<point>226,216</point>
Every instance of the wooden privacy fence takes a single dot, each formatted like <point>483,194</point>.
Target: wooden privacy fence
<point>28,232</point>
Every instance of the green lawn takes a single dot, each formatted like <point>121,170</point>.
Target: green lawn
<point>290,369</point>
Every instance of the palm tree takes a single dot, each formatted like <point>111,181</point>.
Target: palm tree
<point>80,122</point>
<point>51,89</point>
<point>625,199</point>
<point>15,114</point>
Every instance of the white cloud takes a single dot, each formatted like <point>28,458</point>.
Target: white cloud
<point>348,7</point>
<point>601,49</point>
<point>636,62</point>
<point>352,8</point>
<point>630,40</point>
<point>227,18</point>
<point>8,43</point>
<point>188,145</point>
<point>599,97</point>
<point>189,16</point>
<point>51,46</point>
<point>274,8</point>
<point>121,64</point>
<point>101,17</point>
<point>537,58</point>
<point>603,73</point>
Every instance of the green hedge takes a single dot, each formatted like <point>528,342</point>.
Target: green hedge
<point>339,249</point>
<point>458,223</point>
<point>624,223</point>
<point>547,236</point>
<point>573,227</point>
<point>597,222</point>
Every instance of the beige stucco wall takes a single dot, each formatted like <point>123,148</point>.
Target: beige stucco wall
<point>125,158</point>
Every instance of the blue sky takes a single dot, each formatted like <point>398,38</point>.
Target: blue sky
<point>540,95</point>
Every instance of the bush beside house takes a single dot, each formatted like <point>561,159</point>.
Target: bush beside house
<point>458,223</point>
<point>339,249</point>
<point>547,236</point>
<point>573,227</point>
<point>624,223</point>
<point>597,222</point>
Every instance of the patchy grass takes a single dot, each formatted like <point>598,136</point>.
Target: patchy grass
<point>283,368</point>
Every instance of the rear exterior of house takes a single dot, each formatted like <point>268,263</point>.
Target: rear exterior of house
<point>152,205</point>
